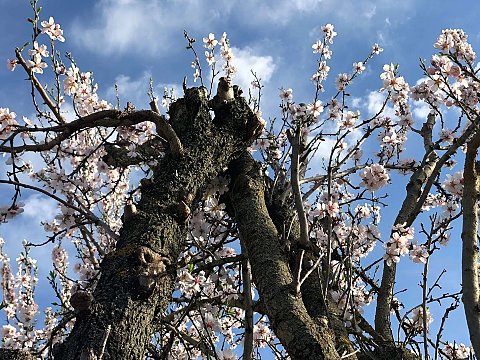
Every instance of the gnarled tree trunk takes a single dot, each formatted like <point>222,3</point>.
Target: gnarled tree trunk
<point>119,320</point>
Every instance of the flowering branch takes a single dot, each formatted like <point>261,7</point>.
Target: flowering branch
<point>41,90</point>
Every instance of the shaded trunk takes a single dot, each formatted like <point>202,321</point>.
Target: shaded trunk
<point>131,295</point>
<point>302,337</point>
<point>470,285</point>
<point>284,217</point>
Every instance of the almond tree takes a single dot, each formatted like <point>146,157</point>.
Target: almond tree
<point>239,236</point>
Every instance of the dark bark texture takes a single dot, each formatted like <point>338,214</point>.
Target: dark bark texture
<point>129,299</point>
<point>301,336</point>
<point>7,354</point>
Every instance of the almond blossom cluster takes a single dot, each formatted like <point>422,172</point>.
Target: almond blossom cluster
<point>398,92</point>
<point>419,253</point>
<point>208,230</point>
<point>415,323</point>
<point>8,122</point>
<point>262,335</point>
<point>374,177</point>
<point>309,113</point>
<point>398,244</point>
<point>455,42</point>
<point>351,296</point>
<point>36,64</point>
<point>52,29</point>
<point>226,53</point>
<point>80,87</point>
<point>392,137</point>
<point>453,184</point>
<point>456,351</point>
<point>9,212</point>
<point>210,322</point>
<point>80,176</point>
<point>20,307</point>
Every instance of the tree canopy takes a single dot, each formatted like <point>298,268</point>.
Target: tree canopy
<point>201,228</point>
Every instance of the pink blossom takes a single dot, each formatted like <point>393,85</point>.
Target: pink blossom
<point>53,30</point>
<point>455,41</point>
<point>286,94</point>
<point>38,51</point>
<point>315,109</point>
<point>416,322</point>
<point>329,33</point>
<point>358,67</point>
<point>209,57</point>
<point>11,64</point>
<point>317,47</point>
<point>36,65</point>
<point>342,81</point>
<point>374,177</point>
<point>349,119</point>
<point>457,351</point>
<point>419,254</point>
<point>454,184</point>
<point>261,334</point>
<point>210,42</point>
<point>227,355</point>
<point>376,49</point>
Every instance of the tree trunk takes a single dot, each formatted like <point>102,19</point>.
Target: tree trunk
<point>130,295</point>
<point>302,337</point>
<point>470,284</point>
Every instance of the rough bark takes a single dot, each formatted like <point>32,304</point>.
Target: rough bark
<point>470,286</point>
<point>129,299</point>
<point>301,336</point>
<point>9,354</point>
<point>283,216</point>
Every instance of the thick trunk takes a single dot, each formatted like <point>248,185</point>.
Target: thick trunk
<point>130,296</point>
<point>9,354</point>
<point>470,285</point>
<point>302,337</point>
<point>283,217</point>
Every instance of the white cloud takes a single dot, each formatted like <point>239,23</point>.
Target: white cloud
<point>132,90</point>
<point>151,27</point>
<point>68,111</point>
<point>323,153</point>
<point>356,102</point>
<point>369,13</point>
<point>40,207</point>
<point>421,110</point>
<point>145,26</point>
<point>135,90</point>
<point>246,61</point>
<point>283,11</point>
<point>374,103</point>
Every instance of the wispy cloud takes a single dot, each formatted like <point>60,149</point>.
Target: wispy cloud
<point>151,27</point>
<point>420,110</point>
<point>130,89</point>
<point>374,102</point>
<point>40,208</point>
<point>135,89</point>
<point>145,26</point>
<point>247,60</point>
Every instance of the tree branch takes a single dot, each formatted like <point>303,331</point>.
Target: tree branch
<point>301,336</point>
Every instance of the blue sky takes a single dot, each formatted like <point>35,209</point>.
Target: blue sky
<point>128,41</point>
